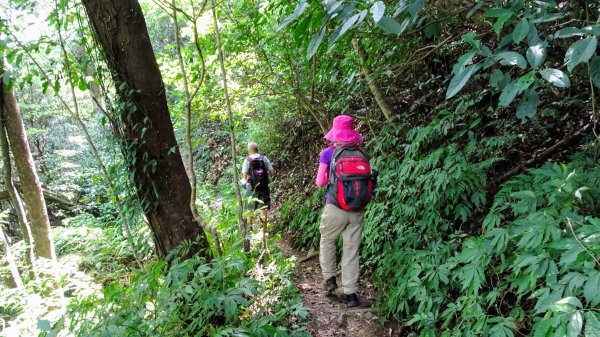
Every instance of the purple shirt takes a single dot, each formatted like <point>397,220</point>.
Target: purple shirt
<point>325,158</point>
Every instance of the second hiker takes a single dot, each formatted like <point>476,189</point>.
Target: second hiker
<point>255,171</point>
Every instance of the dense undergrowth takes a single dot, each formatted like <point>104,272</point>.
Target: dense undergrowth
<point>102,293</point>
<point>228,296</point>
<point>522,260</point>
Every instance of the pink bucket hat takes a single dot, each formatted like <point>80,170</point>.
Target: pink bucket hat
<point>343,131</point>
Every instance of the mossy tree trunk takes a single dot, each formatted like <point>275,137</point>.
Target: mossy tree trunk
<point>153,154</point>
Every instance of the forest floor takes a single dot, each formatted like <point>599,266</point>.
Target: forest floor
<point>329,315</point>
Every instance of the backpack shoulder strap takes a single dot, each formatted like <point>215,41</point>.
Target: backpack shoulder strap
<point>334,159</point>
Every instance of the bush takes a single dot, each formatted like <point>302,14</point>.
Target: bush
<point>303,218</point>
<point>228,296</point>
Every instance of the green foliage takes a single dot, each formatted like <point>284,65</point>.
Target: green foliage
<point>228,296</point>
<point>101,245</point>
<point>459,259</point>
<point>446,278</point>
<point>303,216</point>
<point>539,23</point>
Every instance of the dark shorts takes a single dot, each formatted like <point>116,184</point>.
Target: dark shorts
<point>265,200</point>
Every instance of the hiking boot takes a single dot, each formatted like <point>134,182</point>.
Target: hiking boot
<point>330,285</point>
<point>351,300</point>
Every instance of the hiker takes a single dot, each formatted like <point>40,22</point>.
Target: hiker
<point>344,168</point>
<point>255,171</point>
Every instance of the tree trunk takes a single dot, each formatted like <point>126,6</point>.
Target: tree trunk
<point>32,190</point>
<point>161,180</point>
<point>56,199</point>
<point>15,197</point>
<point>14,280</point>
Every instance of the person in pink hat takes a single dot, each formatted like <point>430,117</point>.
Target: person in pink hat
<point>346,197</point>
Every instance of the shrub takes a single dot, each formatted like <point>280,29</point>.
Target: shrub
<point>228,296</point>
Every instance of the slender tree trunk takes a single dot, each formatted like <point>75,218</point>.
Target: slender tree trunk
<point>241,221</point>
<point>380,98</point>
<point>15,197</point>
<point>378,94</point>
<point>32,190</point>
<point>188,132</point>
<point>14,280</point>
<point>162,182</point>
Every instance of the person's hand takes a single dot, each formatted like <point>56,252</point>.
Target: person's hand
<point>243,182</point>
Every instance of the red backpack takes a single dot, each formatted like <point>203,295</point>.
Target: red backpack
<point>350,180</point>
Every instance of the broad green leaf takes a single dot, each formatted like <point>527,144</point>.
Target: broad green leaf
<point>8,79</point>
<point>508,94</point>
<point>459,81</point>
<point>512,58</point>
<point>433,29</point>
<point>470,38</point>
<point>593,29</point>
<point>525,81</point>
<point>332,6</point>
<point>595,71</point>
<point>536,55</point>
<point>574,301</point>
<point>377,10</point>
<point>528,104</point>
<point>591,290</point>
<point>502,15</point>
<point>415,7</point>
<point>475,9</point>
<point>521,30</point>
<point>300,8</point>
<point>463,61</point>
<point>498,12</point>
<point>390,25</point>
<point>575,325</point>
<point>82,84</point>
<point>548,17</point>
<point>580,51</point>
<point>556,77</point>
<point>346,11</point>
<point>532,36</point>
<point>592,325</point>
<point>498,79</point>
<point>500,23</point>
<point>315,42</point>
<point>541,328</point>
<point>569,32</point>
<point>349,23</point>
<point>570,256</point>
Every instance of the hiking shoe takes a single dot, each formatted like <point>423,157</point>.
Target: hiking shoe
<point>351,300</point>
<point>330,285</point>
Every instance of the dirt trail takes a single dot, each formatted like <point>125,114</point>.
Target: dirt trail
<point>329,314</point>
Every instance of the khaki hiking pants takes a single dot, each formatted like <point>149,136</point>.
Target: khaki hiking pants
<point>335,221</point>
